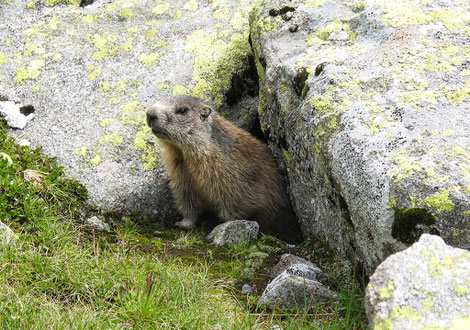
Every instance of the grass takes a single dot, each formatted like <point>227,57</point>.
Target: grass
<point>62,275</point>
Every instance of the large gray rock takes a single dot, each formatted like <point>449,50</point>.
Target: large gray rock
<point>369,105</point>
<point>426,286</point>
<point>234,232</point>
<point>91,72</point>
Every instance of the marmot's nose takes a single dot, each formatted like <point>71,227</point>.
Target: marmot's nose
<point>151,115</point>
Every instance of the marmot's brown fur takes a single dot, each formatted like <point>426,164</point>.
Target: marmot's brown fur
<point>217,167</point>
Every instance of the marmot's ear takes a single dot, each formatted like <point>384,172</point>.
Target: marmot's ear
<point>205,112</point>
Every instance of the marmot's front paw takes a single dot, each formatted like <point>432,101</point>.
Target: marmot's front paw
<point>185,224</point>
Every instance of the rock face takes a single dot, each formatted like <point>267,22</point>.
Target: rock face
<point>232,232</point>
<point>295,284</point>
<point>369,105</point>
<point>91,72</point>
<point>425,286</point>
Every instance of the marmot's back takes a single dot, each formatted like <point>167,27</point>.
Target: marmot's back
<point>215,166</point>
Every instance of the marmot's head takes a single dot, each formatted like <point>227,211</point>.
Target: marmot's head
<point>182,120</point>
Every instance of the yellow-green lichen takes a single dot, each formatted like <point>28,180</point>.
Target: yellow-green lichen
<point>106,122</point>
<point>440,201</point>
<point>3,58</point>
<point>407,313</point>
<point>314,3</point>
<point>191,5</point>
<point>149,157</point>
<point>459,95</point>
<point>150,34</point>
<point>105,86</point>
<point>161,8</point>
<point>89,18</point>
<point>93,75</point>
<point>221,14</point>
<point>112,138</point>
<point>51,3</point>
<point>95,160</point>
<point>35,89</point>
<point>125,13</point>
<point>428,303</point>
<point>149,59</point>
<point>179,90</point>
<point>177,15</point>
<point>32,72</point>
<point>108,46</point>
<point>164,86</point>
<point>461,290</point>
<point>132,113</point>
<point>386,292</point>
<point>82,152</point>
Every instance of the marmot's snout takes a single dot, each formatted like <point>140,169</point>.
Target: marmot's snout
<point>151,115</point>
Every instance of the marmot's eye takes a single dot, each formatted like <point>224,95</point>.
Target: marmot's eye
<point>182,110</point>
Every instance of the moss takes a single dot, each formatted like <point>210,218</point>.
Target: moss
<point>287,155</point>
<point>405,222</point>
<point>440,201</point>
<point>216,62</point>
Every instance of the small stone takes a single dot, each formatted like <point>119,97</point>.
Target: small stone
<point>233,232</point>
<point>287,16</point>
<point>290,291</point>
<point>11,111</point>
<point>7,236</point>
<point>97,224</point>
<point>246,289</point>
<point>293,28</point>
<point>24,143</point>
<point>297,266</point>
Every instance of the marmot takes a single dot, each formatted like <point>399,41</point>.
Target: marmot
<point>217,167</point>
